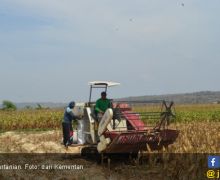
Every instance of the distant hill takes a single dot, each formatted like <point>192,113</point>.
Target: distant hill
<point>186,98</point>
<point>35,105</point>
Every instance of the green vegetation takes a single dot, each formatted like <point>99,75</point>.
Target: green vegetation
<point>51,118</point>
<point>8,105</point>
<point>185,113</point>
<point>208,116</point>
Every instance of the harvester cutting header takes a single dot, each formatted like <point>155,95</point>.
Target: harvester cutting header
<point>114,126</point>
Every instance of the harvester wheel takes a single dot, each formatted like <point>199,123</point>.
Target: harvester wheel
<point>90,153</point>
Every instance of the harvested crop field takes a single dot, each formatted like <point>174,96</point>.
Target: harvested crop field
<point>199,137</point>
<point>194,138</point>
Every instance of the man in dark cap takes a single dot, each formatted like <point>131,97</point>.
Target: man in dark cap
<point>102,105</point>
<point>67,123</point>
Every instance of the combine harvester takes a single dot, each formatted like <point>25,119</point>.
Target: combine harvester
<point>121,129</point>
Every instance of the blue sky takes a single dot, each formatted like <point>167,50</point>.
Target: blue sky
<point>50,49</point>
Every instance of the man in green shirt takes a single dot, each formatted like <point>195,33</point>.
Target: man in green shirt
<point>102,104</point>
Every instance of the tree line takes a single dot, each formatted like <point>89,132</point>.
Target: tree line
<point>9,105</point>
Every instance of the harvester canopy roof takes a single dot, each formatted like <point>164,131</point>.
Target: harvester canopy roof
<point>103,83</point>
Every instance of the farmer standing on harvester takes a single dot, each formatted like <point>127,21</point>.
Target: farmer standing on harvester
<point>69,116</point>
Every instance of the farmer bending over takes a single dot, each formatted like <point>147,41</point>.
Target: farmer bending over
<point>67,124</point>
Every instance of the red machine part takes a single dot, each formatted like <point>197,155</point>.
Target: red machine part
<point>138,135</point>
<point>134,120</point>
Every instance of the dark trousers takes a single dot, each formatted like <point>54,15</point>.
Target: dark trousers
<point>67,131</point>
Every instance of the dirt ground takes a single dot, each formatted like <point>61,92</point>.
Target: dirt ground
<point>33,142</point>
<point>49,142</point>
